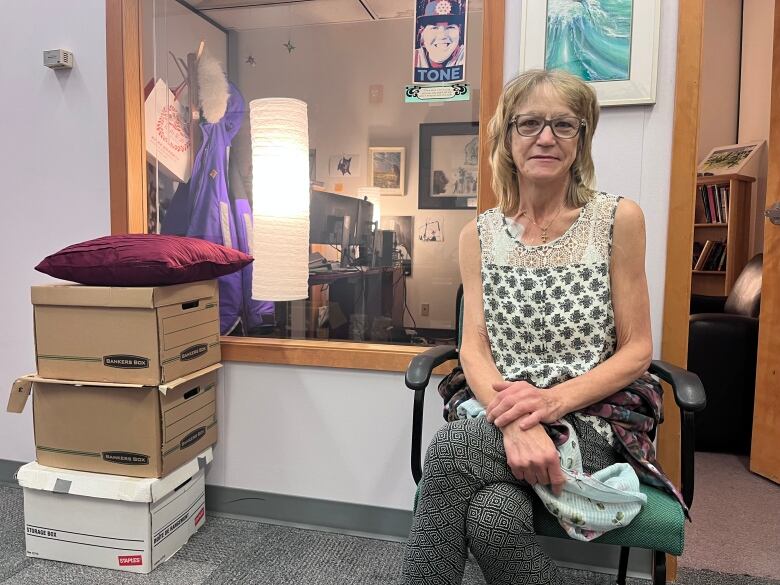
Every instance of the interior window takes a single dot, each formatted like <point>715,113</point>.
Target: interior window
<point>389,177</point>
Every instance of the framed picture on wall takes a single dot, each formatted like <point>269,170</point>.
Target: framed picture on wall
<point>386,169</point>
<point>612,44</point>
<point>448,165</point>
<point>724,160</point>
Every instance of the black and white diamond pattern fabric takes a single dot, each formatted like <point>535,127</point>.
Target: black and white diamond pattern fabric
<point>469,499</point>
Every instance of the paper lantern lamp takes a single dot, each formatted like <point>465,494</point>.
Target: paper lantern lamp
<point>280,199</point>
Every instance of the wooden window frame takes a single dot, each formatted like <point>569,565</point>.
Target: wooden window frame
<point>127,169</point>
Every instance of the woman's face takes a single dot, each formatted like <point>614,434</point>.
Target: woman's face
<point>440,40</point>
<point>545,157</point>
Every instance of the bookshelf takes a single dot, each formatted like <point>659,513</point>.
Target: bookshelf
<point>721,232</point>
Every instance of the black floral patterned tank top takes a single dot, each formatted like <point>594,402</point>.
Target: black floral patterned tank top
<point>548,308</point>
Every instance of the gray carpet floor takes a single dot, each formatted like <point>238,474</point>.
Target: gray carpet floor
<point>736,524</point>
<point>227,550</point>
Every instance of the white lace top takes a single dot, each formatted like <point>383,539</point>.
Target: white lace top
<point>548,307</point>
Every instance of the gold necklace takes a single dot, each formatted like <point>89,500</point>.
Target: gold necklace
<point>545,228</point>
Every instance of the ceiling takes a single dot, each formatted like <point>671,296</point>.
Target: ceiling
<point>253,14</point>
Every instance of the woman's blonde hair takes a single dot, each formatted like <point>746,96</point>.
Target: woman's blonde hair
<point>580,98</point>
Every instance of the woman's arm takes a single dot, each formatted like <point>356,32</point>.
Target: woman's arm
<point>475,355</point>
<point>634,350</point>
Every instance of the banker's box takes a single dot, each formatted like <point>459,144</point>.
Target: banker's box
<point>138,335</point>
<point>111,521</point>
<point>121,429</point>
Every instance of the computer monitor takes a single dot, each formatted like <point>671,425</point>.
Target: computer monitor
<point>364,226</point>
<point>326,217</point>
<point>329,213</point>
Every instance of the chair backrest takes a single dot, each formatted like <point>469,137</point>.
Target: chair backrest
<point>459,316</point>
<point>745,297</point>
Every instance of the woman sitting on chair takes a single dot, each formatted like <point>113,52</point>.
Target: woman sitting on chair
<point>556,320</point>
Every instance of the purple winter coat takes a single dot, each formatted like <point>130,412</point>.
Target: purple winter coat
<point>202,208</point>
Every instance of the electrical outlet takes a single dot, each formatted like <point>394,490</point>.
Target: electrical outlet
<point>425,309</point>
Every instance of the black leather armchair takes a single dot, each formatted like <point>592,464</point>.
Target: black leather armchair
<point>722,347</point>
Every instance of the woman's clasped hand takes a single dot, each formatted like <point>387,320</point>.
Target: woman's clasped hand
<point>524,402</point>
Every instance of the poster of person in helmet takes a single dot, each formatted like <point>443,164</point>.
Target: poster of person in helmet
<point>440,41</point>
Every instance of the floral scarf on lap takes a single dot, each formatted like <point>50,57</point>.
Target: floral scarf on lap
<point>632,413</point>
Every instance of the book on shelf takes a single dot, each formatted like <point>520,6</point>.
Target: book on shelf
<point>713,261</point>
<point>697,248</point>
<point>722,263</point>
<point>725,202</point>
<point>713,203</point>
<point>705,252</point>
<point>702,207</point>
<point>711,257</point>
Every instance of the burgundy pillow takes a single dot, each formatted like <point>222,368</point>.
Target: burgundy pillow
<point>142,260</point>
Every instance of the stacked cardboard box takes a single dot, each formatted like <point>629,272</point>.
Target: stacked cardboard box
<point>124,415</point>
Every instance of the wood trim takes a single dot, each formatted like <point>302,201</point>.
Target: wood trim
<point>491,83</point>
<point>329,354</point>
<point>716,179</point>
<point>764,456</point>
<point>679,242</point>
<point>126,152</point>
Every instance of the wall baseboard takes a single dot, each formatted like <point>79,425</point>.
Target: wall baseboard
<point>341,517</point>
<point>8,470</point>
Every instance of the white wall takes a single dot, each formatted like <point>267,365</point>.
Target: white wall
<point>341,435</point>
<point>720,71</point>
<point>755,98</point>
<point>54,153</point>
<point>331,69</point>
<point>632,149</point>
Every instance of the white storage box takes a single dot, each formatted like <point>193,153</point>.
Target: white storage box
<point>112,521</point>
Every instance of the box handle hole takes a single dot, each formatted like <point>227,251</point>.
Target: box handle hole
<point>189,305</point>
<point>189,479</point>
<point>191,393</point>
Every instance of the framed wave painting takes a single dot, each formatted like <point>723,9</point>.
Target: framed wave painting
<point>612,44</point>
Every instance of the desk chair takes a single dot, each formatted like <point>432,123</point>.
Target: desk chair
<point>659,526</point>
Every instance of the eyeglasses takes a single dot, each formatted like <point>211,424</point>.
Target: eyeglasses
<point>563,127</point>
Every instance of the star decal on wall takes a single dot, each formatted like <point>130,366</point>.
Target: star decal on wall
<point>289,46</point>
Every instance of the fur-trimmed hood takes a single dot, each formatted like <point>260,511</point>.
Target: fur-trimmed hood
<point>213,89</point>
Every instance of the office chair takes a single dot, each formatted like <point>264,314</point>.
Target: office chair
<point>722,351</point>
<point>659,526</point>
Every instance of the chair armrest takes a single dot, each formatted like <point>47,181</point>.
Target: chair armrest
<point>690,397</point>
<point>418,373</point>
<point>688,389</point>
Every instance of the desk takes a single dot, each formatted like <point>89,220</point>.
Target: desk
<point>360,303</point>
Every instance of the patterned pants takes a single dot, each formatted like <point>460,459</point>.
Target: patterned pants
<point>469,499</point>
